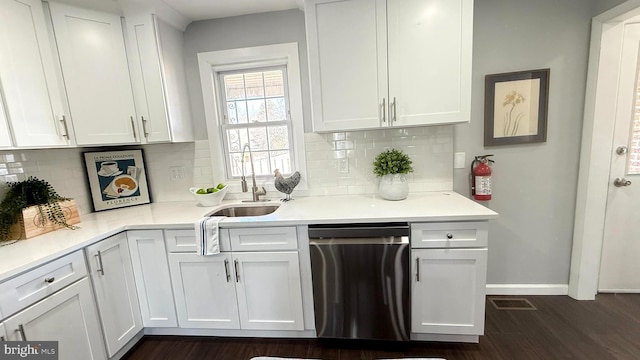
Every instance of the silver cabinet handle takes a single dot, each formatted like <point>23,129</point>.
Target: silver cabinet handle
<point>21,331</point>
<point>63,120</point>
<point>226,270</point>
<point>2,338</point>
<point>100,269</point>
<point>449,236</point>
<point>235,265</point>
<point>394,110</point>
<point>133,126</point>
<point>384,109</point>
<point>49,280</point>
<point>418,269</point>
<point>620,182</point>
<point>144,127</point>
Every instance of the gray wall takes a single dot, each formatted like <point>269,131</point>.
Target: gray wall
<point>238,32</point>
<point>534,185</point>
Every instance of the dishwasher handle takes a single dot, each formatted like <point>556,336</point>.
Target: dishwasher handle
<point>394,240</point>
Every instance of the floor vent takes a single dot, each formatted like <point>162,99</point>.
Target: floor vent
<point>511,304</point>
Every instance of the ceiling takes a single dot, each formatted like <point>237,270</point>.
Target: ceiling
<point>211,9</point>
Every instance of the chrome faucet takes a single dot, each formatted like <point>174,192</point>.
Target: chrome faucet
<point>254,189</point>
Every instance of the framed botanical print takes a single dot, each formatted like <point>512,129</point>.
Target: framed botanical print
<point>117,179</point>
<point>515,107</point>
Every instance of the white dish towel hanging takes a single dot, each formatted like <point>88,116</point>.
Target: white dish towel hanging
<point>207,235</point>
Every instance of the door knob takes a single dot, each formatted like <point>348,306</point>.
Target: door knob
<point>620,182</point>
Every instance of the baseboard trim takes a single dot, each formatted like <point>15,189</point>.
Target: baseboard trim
<point>527,289</point>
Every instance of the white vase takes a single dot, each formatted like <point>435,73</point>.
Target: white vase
<point>393,187</point>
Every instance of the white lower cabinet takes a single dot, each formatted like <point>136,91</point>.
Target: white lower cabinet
<point>448,291</point>
<point>115,290</point>
<point>205,291</point>
<point>269,292</point>
<point>251,291</point>
<point>69,317</point>
<point>3,333</point>
<point>151,271</point>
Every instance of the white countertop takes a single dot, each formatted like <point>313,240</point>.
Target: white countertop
<point>430,206</point>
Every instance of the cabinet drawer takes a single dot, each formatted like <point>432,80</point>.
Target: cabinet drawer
<point>449,235</point>
<point>185,240</point>
<point>272,238</point>
<point>40,282</point>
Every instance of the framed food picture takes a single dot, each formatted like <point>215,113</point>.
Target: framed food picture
<point>515,110</point>
<point>117,179</point>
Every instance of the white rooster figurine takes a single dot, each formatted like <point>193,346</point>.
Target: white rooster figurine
<point>286,185</point>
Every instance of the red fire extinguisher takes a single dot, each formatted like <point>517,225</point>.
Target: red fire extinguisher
<point>481,178</point>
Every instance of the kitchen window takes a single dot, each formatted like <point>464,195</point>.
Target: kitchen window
<point>255,106</point>
<point>253,96</point>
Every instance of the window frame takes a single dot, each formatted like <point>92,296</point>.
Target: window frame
<point>213,62</point>
<point>226,125</point>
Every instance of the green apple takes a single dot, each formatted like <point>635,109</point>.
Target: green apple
<point>201,191</point>
<point>221,186</point>
<point>211,190</point>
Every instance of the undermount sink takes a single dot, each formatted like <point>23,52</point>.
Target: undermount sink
<point>237,211</point>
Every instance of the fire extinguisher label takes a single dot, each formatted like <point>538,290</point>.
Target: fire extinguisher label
<point>483,185</point>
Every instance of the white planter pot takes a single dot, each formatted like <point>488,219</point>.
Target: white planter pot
<point>393,187</point>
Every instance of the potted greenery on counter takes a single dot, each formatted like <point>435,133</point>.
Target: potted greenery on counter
<point>392,166</point>
<point>33,207</point>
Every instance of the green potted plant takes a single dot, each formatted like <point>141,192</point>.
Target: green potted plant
<point>391,166</point>
<point>47,212</point>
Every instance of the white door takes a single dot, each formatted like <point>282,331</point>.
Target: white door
<point>448,291</point>
<point>347,42</point>
<point>146,74</point>
<point>96,75</point>
<point>151,271</point>
<point>28,76</point>
<point>269,291</point>
<point>430,43</point>
<point>620,262</point>
<point>69,317</point>
<point>205,292</point>
<point>115,291</point>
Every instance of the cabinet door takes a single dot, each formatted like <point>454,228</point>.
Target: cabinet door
<point>151,271</point>
<point>347,63</point>
<point>430,43</point>
<point>69,317</point>
<point>3,333</point>
<point>204,291</point>
<point>146,74</point>
<point>269,292</point>
<point>115,291</point>
<point>27,74</point>
<point>5,137</point>
<point>448,291</point>
<point>96,75</point>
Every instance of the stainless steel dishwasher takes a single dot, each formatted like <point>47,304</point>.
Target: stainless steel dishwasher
<point>361,280</point>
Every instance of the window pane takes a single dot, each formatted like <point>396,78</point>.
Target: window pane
<point>278,138</point>
<point>254,84</point>
<point>234,86</point>
<point>236,138</point>
<point>257,111</point>
<point>235,161</point>
<point>258,138</point>
<point>231,113</point>
<point>241,111</point>
<point>261,163</point>
<point>281,160</point>
<point>276,109</point>
<point>274,83</point>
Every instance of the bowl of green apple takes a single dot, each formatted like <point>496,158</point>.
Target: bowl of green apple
<point>211,196</point>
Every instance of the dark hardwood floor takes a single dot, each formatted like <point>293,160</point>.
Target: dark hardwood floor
<point>560,328</point>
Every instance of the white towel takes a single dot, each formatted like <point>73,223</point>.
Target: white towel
<point>207,239</point>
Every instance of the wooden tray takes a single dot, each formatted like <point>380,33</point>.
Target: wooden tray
<point>28,225</point>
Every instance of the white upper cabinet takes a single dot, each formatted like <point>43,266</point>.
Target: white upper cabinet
<point>96,74</point>
<point>386,63</point>
<point>159,80</point>
<point>5,137</point>
<point>30,86</point>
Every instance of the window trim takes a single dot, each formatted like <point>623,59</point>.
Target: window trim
<point>212,62</point>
